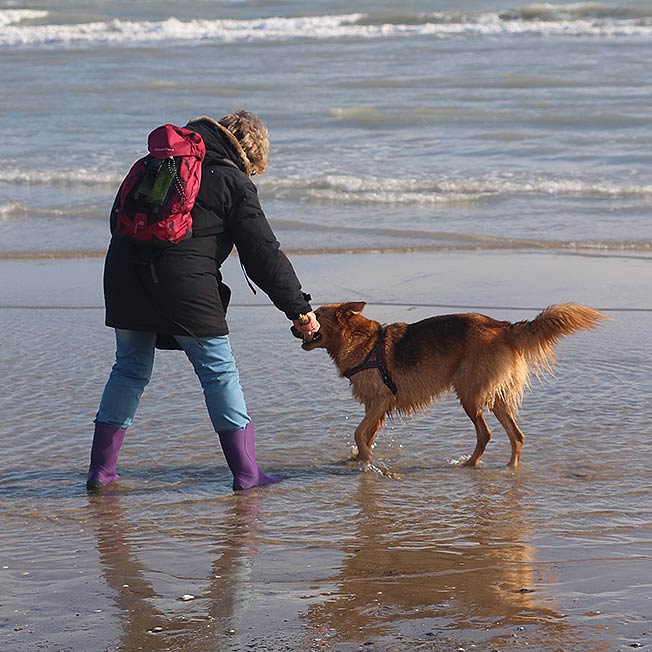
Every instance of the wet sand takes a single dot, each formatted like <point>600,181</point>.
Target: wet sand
<point>555,556</point>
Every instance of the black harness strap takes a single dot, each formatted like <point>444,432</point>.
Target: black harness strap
<point>375,360</point>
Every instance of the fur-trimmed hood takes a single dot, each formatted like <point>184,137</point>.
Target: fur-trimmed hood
<point>217,139</point>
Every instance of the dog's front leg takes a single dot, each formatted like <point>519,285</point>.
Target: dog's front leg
<point>483,434</point>
<point>366,432</point>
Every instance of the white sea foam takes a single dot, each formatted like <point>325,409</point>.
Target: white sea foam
<point>12,210</point>
<point>58,176</point>
<point>577,19</point>
<point>13,16</point>
<point>366,189</point>
<point>376,190</point>
<point>171,30</point>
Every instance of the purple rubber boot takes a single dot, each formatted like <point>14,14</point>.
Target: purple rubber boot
<point>104,455</point>
<point>239,448</point>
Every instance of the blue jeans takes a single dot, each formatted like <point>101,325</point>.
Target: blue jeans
<point>213,362</point>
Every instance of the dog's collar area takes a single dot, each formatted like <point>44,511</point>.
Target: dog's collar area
<point>375,360</point>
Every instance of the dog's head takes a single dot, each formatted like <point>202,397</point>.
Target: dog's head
<point>334,320</point>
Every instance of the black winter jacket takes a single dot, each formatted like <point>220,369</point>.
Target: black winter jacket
<point>179,290</point>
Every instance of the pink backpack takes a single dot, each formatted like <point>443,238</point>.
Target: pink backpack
<point>158,193</point>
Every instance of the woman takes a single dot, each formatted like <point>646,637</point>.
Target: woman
<point>174,298</point>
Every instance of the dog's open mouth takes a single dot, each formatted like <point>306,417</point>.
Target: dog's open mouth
<point>311,341</point>
<point>308,341</point>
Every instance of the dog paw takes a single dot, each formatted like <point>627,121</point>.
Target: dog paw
<point>380,468</point>
<point>461,461</point>
<point>367,465</point>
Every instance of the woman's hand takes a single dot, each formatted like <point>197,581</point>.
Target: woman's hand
<point>307,324</point>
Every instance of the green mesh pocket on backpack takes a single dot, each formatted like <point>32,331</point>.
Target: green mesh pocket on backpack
<point>155,187</point>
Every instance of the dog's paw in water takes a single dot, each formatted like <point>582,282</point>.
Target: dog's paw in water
<point>376,466</point>
<point>380,468</point>
<point>462,461</point>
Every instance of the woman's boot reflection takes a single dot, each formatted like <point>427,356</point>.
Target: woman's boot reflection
<point>125,574</point>
<point>212,622</point>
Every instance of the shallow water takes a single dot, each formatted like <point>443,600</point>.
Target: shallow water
<point>554,556</point>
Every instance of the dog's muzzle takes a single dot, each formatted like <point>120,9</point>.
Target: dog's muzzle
<point>299,335</point>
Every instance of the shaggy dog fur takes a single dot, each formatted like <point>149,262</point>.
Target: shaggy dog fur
<point>486,362</point>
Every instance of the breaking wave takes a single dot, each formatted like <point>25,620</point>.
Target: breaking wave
<point>59,176</point>
<point>13,16</point>
<point>29,28</point>
<point>15,210</point>
<point>12,210</point>
<point>376,190</point>
<point>367,189</point>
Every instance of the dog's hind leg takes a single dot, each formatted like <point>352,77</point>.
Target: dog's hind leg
<point>482,432</point>
<point>366,432</point>
<point>506,418</point>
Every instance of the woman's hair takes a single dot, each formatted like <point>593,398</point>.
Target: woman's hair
<point>252,135</point>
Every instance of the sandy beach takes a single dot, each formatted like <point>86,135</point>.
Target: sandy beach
<point>554,556</point>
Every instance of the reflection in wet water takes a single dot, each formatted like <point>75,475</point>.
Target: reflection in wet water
<point>428,580</point>
<point>210,617</point>
<point>401,578</point>
<point>554,557</point>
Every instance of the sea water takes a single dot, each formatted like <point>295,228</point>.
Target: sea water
<point>499,158</point>
<point>425,125</point>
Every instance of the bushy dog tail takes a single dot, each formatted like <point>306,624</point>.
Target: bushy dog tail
<point>536,338</point>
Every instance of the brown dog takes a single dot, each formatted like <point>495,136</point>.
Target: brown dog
<point>402,368</point>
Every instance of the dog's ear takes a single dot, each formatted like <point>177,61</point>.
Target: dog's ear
<point>353,306</point>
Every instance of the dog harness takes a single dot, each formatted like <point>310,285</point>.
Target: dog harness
<point>375,360</point>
